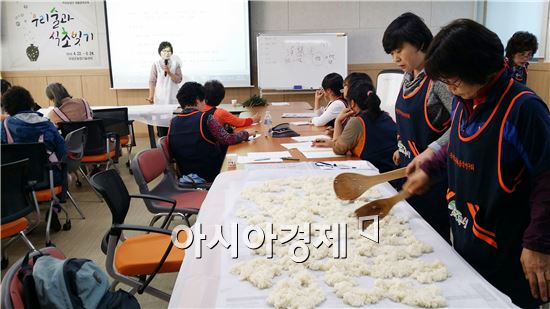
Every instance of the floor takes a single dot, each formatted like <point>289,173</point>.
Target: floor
<point>84,238</point>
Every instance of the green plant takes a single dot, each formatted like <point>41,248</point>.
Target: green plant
<point>255,100</point>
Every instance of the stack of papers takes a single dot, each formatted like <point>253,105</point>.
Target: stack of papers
<point>263,157</point>
<point>300,123</point>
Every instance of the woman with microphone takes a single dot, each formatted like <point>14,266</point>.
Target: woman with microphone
<point>164,79</point>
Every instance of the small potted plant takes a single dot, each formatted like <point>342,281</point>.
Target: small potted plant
<point>255,100</point>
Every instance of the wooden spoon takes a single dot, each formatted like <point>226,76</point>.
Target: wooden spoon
<point>349,186</point>
<point>381,207</point>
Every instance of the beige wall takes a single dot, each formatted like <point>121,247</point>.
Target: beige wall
<point>94,85</point>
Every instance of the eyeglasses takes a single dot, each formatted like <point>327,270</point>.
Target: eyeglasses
<point>453,83</point>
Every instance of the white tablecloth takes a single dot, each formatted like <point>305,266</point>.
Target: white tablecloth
<point>206,282</point>
<point>150,114</point>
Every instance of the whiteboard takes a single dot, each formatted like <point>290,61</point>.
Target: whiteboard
<point>300,61</point>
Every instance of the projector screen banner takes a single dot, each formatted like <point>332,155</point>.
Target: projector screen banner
<point>210,39</point>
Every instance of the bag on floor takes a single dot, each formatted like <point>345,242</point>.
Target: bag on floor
<point>75,283</point>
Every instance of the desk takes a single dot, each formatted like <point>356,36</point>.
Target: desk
<point>268,143</point>
<point>206,282</point>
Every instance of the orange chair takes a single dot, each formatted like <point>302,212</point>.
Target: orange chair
<point>136,260</point>
<point>101,147</point>
<point>150,164</point>
<point>16,204</point>
<point>116,121</point>
<point>44,187</point>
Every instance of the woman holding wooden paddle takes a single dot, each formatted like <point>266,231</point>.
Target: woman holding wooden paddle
<point>497,164</point>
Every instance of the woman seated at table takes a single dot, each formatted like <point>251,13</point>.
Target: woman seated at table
<point>214,92</point>
<point>332,85</point>
<point>195,138</point>
<point>370,133</point>
<point>27,126</point>
<point>66,107</point>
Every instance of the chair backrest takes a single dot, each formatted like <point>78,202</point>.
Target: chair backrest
<point>163,144</point>
<point>149,164</point>
<point>16,201</point>
<point>113,190</point>
<point>115,120</point>
<point>75,142</point>
<point>388,85</point>
<point>35,152</point>
<point>96,137</point>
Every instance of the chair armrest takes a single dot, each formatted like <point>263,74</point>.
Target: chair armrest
<point>153,197</point>
<point>116,229</point>
<point>158,198</point>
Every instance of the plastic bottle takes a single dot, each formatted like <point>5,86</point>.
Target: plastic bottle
<point>267,123</point>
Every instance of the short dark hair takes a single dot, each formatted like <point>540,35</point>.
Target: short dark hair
<point>189,93</point>
<point>165,44</point>
<point>17,99</point>
<point>214,92</point>
<point>355,76</point>
<point>409,28</point>
<point>56,92</point>
<point>5,85</point>
<point>521,41</point>
<point>467,50</point>
<point>364,95</point>
<point>334,82</point>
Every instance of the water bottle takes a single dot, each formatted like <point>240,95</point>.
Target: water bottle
<point>267,123</point>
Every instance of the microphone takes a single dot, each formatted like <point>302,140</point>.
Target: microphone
<point>165,63</point>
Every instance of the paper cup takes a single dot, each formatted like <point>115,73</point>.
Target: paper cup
<point>231,160</point>
<point>234,102</point>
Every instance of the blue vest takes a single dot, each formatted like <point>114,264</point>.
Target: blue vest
<point>488,200</point>
<point>193,146</point>
<point>378,142</point>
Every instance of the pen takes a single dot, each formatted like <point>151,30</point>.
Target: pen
<point>262,159</point>
<point>290,158</point>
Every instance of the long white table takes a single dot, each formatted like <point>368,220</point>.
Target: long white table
<point>152,115</point>
<point>206,282</point>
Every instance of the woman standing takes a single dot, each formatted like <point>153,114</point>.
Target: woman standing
<point>164,79</point>
<point>421,111</point>
<point>496,164</point>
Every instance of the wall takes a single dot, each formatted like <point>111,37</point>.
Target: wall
<point>364,21</point>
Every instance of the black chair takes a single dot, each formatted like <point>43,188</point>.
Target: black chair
<point>116,121</point>
<point>75,143</point>
<point>41,176</point>
<point>16,205</point>
<point>101,146</point>
<point>156,254</point>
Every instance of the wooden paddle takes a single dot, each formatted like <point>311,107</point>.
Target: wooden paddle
<point>349,186</point>
<point>381,207</point>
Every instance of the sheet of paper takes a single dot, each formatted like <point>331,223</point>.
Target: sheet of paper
<point>248,160</point>
<point>300,123</point>
<point>280,103</point>
<point>305,146</point>
<point>298,115</point>
<point>321,154</point>
<point>274,154</point>
<point>310,138</point>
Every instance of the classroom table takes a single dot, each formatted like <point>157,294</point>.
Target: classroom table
<point>207,283</point>
<point>267,143</point>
